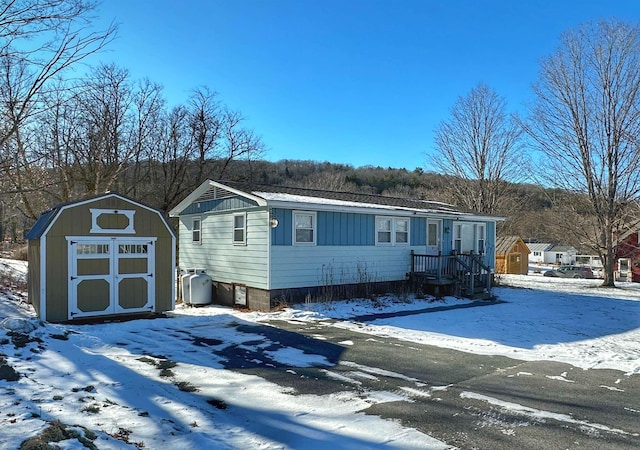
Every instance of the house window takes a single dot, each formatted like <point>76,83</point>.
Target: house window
<point>469,237</point>
<point>383,230</point>
<point>457,238</point>
<point>304,231</point>
<point>480,235</point>
<point>536,253</point>
<point>196,232</point>
<point>240,229</point>
<point>402,231</point>
<point>391,231</point>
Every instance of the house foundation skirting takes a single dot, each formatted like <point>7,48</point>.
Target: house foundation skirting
<point>255,299</point>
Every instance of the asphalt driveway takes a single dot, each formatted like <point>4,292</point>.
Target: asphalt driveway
<point>469,401</point>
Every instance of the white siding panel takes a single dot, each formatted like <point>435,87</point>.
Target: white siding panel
<point>298,266</point>
<point>222,260</point>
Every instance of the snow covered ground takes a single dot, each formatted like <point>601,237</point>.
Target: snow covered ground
<point>162,383</point>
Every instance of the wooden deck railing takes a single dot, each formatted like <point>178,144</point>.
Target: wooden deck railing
<point>468,270</point>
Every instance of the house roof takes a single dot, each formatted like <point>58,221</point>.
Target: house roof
<point>562,248</point>
<point>274,196</point>
<point>505,243</point>
<point>46,218</point>
<point>539,246</point>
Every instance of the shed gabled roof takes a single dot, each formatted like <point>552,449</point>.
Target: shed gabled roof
<point>505,243</point>
<point>269,195</point>
<point>48,217</point>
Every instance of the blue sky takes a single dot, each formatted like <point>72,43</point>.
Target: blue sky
<point>359,82</point>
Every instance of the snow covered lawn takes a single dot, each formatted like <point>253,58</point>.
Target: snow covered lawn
<point>163,384</point>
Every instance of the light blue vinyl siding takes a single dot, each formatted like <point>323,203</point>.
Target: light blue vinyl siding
<point>418,231</point>
<point>332,228</point>
<point>344,229</point>
<point>222,259</point>
<point>221,204</point>
<point>283,233</point>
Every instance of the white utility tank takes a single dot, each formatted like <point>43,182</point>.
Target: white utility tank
<point>184,285</point>
<point>196,287</point>
<point>200,288</point>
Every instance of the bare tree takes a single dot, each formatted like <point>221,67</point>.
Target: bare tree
<point>39,39</point>
<point>480,147</point>
<point>199,140</point>
<point>585,120</point>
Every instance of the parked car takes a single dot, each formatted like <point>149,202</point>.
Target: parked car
<point>570,272</point>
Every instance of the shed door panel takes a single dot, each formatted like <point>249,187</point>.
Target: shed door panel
<point>135,263</point>
<point>110,276</point>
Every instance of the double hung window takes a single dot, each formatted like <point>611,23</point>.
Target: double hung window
<point>304,229</point>
<point>240,229</point>
<point>196,230</point>
<point>392,231</point>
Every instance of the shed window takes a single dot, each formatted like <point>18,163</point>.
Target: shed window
<point>133,249</point>
<point>92,249</point>
<point>305,228</point>
<point>196,232</point>
<point>240,229</point>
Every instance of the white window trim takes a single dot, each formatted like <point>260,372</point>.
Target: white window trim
<point>393,229</point>
<point>199,241</point>
<point>438,224</point>
<point>314,227</point>
<point>244,229</point>
<point>457,235</point>
<point>385,219</point>
<point>481,237</point>
<point>96,213</point>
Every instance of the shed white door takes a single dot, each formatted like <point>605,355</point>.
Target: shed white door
<point>110,275</point>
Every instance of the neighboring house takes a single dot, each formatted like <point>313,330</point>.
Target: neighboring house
<point>512,255</point>
<point>103,256</point>
<point>263,244</point>
<point>628,256</point>
<point>560,254</point>
<point>538,251</point>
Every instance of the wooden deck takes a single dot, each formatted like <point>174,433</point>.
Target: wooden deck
<point>459,275</point>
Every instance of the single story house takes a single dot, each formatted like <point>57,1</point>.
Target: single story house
<point>102,256</point>
<point>512,255</point>
<point>262,245</point>
<point>561,254</point>
<point>545,253</point>
<point>538,250</point>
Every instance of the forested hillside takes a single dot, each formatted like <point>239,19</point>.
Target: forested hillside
<point>530,211</point>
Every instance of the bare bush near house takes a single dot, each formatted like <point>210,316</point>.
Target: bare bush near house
<point>585,120</point>
<point>480,148</point>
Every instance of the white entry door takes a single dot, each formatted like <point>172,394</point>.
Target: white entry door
<point>110,275</point>
<point>434,236</point>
